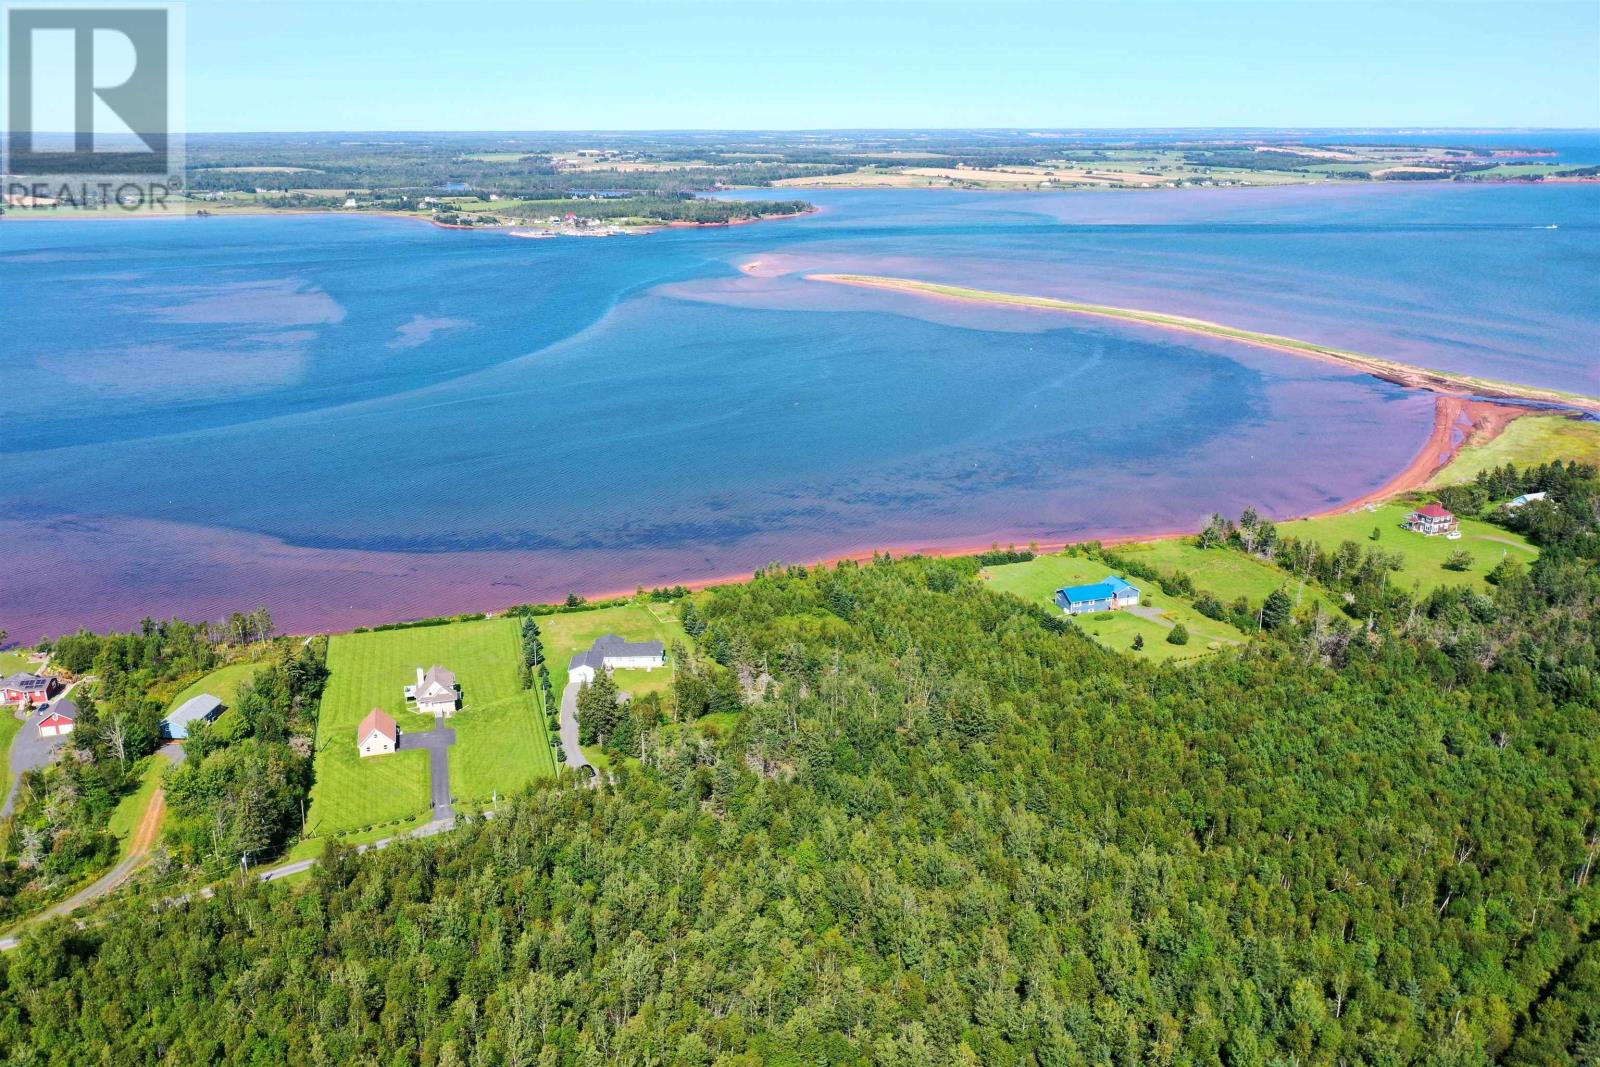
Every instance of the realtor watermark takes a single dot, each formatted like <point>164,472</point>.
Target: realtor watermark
<point>93,108</point>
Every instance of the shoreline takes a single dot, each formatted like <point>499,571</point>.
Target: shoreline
<point>1444,383</point>
<point>1484,421</point>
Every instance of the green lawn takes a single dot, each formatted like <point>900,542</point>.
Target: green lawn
<point>13,662</point>
<point>1528,440</point>
<point>1038,579</point>
<point>10,726</point>
<point>568,634</point>
<point>501,743</point>
<point>130,809</point>
<point>1424,556</point>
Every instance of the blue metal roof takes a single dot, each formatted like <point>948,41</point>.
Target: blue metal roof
<point>1119,585</point>
<point>1078,594</point>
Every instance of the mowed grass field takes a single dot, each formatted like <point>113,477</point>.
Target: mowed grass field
<point>501,743</point>
<point>1038,579</point>
<point>1424,556</point>
<point>566,635</point>
<point>1528,440</point>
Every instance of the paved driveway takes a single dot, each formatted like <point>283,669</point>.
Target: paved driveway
<point>569,727</point>
<point>29,752</point>
<point>437,741</point>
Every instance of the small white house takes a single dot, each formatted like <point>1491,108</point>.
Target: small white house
<point>436,691</point>
<point>58,719</point>
<point>377,735</point>
<point>610,652</point>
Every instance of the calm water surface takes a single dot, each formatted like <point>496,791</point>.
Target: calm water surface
<point>353,419</point>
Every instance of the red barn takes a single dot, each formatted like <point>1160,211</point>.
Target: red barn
<point>59,719</point>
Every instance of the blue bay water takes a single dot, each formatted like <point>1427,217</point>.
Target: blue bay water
<point>355,418</point>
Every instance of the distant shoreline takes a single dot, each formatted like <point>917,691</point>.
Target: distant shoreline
<point>1405,374</point>
<point>1485,420</point>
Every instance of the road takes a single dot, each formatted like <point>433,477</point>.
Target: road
<point>569,727</point>
<point>437,741</point>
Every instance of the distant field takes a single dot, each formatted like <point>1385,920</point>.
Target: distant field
<point>566,635</point>
<point>1529,440</point>
<point>1424,556</point>
<point>501,743</point>
<point>1038,579</point>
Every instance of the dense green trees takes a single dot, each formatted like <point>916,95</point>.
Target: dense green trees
<point>950,829</point>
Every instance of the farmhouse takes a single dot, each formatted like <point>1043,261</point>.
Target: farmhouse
<point>436,691</point>
<point>202,708</point>
<point>27,690</point>
<point>610,652</point>
<point>58,719</point>
<point>1431,520</point>
<point>1108,595</point>
<point>377,735</point>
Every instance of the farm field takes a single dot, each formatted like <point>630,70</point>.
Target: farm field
<point>1528,440</point>
<point>501,743</point>
<point>1424,556</point>
<point>567,634</point>
<point>1038,579</point>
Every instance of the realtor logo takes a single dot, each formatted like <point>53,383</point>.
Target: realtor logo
<point>93,92</point>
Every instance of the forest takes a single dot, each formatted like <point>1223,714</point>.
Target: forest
<point>949,828</point>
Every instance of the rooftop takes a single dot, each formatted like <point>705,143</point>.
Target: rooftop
<point>1434,511</point>
<point>197,707</point>
<point>64,708</point>
<point>381,721</point>
<point>610,646</point>
<point>24,682</point>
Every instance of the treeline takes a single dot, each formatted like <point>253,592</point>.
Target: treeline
<point>950,829</point>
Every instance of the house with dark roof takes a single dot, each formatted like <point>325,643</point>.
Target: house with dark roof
<point>436,691</point>
<point>202,708</point>
<point>1431,520</point>
<point>1110,594</point>
<point>609,652</point>
<point>27,690</point>
<point>58,719</point>
<point>377,735</point>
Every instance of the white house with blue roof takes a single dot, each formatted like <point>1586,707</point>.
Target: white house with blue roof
<point>1109,595</point>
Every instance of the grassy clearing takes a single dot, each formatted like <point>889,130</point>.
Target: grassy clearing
<point>501,743</point>
<point>1529,440</point>
<point>312,847</point>
<point>1225,574</point>
<point>124,821</point>
<point>1038,579</point>
<point>568,634</point>
<point>1424,556</point>
<point>222,683</point>
<point>12,662</point>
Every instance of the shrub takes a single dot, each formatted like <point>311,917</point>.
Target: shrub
<point>1179,635</point>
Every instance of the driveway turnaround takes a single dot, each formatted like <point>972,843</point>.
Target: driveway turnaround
<point>437,741</point>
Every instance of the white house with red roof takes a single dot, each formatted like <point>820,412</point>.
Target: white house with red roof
<point>1431,520</point>
<point>378,735</point>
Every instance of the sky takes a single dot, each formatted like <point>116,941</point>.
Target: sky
<point>276,65</point>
